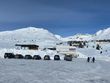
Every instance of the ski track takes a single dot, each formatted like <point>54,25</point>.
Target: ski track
<point>77,71</point>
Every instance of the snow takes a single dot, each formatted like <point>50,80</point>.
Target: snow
<point>45,39</point>
<point>58,37</point>
<point>99,35</point>
<point>92,52</point>
<point>103,34</point>
<point>32,71</point>
<point>79,37</point>
<point>30,35</point>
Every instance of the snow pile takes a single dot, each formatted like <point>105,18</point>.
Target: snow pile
<point>103,34</point>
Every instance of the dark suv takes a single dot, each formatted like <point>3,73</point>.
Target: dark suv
<point>46,57</point>
<point>28,57</point>
<point>68,57</point>
<point>19,56</point>
<point>56,57</point>
<point>9,55</point>
<point>37,57</point>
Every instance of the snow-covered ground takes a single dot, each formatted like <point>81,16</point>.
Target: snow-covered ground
<point>32,71</point>
<point>92,52</point>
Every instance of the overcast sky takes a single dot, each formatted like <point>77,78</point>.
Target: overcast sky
<point>63,17</point>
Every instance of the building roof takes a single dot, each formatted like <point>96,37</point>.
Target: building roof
<point>26,45</point>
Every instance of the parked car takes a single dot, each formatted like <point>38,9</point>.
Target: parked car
<point>68,57</point>
<point>37,57</point>
<point>46,57</point>
<point>9,55</point>
<point>28,57</point>
<point>19,56</point>
<point>56,57</point>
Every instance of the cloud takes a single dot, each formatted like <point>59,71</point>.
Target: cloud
<point>48,10</point>
<point>55,13</point>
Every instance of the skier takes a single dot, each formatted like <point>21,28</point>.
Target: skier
<point>88,59</point>
<point>93,59</point>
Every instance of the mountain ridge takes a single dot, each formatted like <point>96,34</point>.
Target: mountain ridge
<point>27,35</point>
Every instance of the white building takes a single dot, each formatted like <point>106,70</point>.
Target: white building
<point>66,50</point>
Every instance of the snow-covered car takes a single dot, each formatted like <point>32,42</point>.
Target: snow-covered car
<point>9,55</point>
<point>68,57</point>
<point>46,57</point>
<point>56,57</point>
<point>37,57</point>
<point>19,56</point>
<point>28,57</point>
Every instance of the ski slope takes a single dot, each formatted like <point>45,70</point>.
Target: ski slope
<point>92,52</point>
<point>32,71</point>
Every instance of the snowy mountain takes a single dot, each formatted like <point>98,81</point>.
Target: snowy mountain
<point>103,34</point>
<point>99,35</point>
<point>59,37</point>
<point>26,35</point>
<point>79,37</point>
<point>40,36</point>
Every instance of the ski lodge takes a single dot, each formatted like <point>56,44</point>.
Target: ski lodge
<point>67,50</point>
<point>27,46</point>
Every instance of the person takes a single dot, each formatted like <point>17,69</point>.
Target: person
<point>93,59</point>
<point>88,59</point>
<point>100,52</point>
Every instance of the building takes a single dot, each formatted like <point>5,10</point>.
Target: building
<point>27,46</point>
<point>79,44</point>
<point>67,50</point>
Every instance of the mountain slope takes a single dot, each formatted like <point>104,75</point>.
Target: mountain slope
<point>103,34</point>
<point>99,35</point>
<point>79,37</point>
<point>26,35</point>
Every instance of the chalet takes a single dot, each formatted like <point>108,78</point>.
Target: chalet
<point>27,46</point>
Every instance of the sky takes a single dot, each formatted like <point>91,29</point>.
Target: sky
<point>62,17</point>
